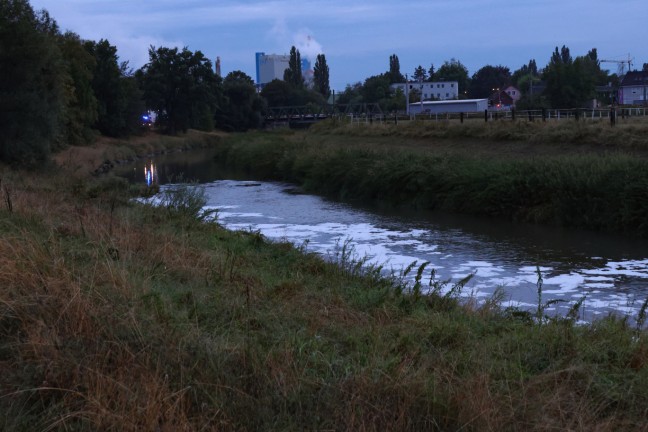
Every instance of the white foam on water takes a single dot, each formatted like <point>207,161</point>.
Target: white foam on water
<point>599,285</point>
<point>422,247</point>
<point>395,249</point>
<point>225,215</point>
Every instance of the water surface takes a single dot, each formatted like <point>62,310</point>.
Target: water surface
<point>611,271</point>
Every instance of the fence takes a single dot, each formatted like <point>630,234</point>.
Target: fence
<point>598,114</point>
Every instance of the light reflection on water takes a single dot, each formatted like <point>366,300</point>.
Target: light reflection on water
<point>150,173</point>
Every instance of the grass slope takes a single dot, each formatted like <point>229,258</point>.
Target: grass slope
<point>125,317</point>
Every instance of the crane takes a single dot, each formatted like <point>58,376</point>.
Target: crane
<point>621,64</point>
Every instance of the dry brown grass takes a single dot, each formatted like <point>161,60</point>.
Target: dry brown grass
<point>125,318</point>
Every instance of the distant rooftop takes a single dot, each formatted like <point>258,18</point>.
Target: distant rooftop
<point>449,102</point>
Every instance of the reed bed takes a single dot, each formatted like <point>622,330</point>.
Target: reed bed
<point>603,191</point>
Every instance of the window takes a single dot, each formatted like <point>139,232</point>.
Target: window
<point>452,85</point>
<point>443,85</point>
<point>447,95</point>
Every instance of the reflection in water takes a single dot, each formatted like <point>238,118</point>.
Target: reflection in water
<point>150,173</point>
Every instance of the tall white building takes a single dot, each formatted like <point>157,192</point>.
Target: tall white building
<point>442,90</point>
<point>270,67</point>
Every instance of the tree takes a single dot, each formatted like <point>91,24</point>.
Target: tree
<point>420,74</point>
<point>244,107</point>
<point>528,69</point>
<point>488,78</point>
<point>376,88</point>
<point>645,67</point>
<point>395,75</point>
<point>453,70</point>
<point>431,73</point>
<point>277,93</point>
<point>321,76</point>
<point>32,83</point>
<point>293,75</point>
<point>107,89</point>
<point>352,94</point>
<point>81,104</point>
<point>570,83</point>
<point>181,87</point>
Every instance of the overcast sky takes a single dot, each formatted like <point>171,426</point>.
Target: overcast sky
<point>358,36</point>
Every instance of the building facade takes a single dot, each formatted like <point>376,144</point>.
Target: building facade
<point>272,66</point>
<point>634,89</point>
<point>442,90</point>
<point>514,93</point>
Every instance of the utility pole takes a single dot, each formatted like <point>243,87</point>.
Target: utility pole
<point>406,95</point>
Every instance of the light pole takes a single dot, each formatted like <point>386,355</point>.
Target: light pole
<point>421,94</point>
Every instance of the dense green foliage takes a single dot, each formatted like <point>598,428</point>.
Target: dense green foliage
<point>488,80</point>
<point>81,112</point>
<point>420,74</point>
<point>118,96</point>
<point>293,75</point>
<point>321,76</point>
<point>454,70</point>
<point>243,107</point>
<point>181,87</point>
<point>395,75</point>
<point>33,83</point>
<point>570,83</point>
<point>599,192</point>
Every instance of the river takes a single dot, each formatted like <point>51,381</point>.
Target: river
<point>611,271</point>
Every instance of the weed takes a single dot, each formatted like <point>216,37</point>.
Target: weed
<point>641,316</point>
<point>186,201</point>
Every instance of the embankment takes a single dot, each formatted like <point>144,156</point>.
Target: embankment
<point>573,184</point>
<point>122,316</point>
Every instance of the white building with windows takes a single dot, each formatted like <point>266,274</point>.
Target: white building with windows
<point>441,90</point>
<point>634,89</point>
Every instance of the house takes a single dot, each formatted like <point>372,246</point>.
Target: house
<point>514,93</point>
<point>500,101</point>
<point>633,90</point>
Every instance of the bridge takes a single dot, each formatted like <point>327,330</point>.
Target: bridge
<point>304,115</point>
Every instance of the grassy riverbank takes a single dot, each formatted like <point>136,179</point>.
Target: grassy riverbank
<point>583,185</point>
<point>121,316</point>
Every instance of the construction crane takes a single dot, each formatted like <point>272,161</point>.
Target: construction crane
<point>621,64</point>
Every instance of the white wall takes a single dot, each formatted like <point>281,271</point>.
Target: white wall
<point>442,90</point>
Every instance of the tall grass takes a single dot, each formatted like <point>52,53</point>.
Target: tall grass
<point>113,316</point>
<point>607,192</point>
<point>631,134</point>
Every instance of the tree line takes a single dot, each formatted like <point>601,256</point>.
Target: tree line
<point>58,89</point>
<point>565,82</point>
